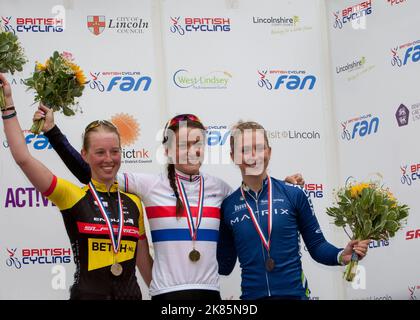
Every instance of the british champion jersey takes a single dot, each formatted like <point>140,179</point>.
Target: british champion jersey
<point>292,216</point>
<point>172,268</point>
<point>90,239</point>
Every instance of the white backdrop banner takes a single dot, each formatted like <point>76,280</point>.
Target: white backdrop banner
<point>333,100</point>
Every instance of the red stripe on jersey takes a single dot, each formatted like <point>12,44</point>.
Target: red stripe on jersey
<point>51,188</point>
<point>94,228</point>
<point>170,211</point>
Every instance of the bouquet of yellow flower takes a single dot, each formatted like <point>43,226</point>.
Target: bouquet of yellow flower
<point>57,83</point>
<point>370,211</point>
<point>12,57</point>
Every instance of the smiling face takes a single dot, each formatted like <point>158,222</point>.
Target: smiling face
<point>186,149</point>
<point>103,154</point>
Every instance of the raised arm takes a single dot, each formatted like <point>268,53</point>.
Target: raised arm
<point>70,156</point>
<point>38,174</point>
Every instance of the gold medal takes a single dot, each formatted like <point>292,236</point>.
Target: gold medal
<point>116,269</point>
<point>194,255</point>
<point>270,264</point>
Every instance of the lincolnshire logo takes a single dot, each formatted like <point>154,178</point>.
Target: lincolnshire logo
<point>122,25</point>
<point>354,68</point>
<point>182,26</point>
<point>352,14</point>
<point>128,128</point>
<point>212,80</point>
<point>359,127</point>
<point>285,79</point>
<point>351,66</point>
<point>410,53</point>
<point>278,21</point>
<point>32,24</point>
<point>116,80</point>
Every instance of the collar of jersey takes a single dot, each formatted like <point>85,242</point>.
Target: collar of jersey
<point>187,177</point>
<point>101,187</point>
<point>251,192</point>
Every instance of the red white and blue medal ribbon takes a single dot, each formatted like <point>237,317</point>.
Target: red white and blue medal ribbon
<point>115,241</point>
<point>266,241</point>
<point>193,228</point>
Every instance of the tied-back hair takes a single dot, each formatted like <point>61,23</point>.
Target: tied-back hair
<point>167,139</point>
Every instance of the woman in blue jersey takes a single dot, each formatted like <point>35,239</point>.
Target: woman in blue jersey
<point>105,226</point>
<point>182,206</point>
<point>262,222</point>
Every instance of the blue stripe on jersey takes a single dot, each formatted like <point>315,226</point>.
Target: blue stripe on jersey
<point>184,235</point>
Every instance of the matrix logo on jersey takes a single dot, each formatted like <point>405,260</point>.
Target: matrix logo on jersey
<point>314,190</point>
<point>359,127</point>
<point>32,24</point>
<point>38,142</point>
<point>129,81</point>
<point>285,80</point>
<point>129,129</point>
<point>409,174</point>
<point>405,54</point>
<point>31,256</point>
<point>182,26</point>
<point>352,13</point>
<point>185,79</point>
<point>25,197</point>
<point>121,25</point>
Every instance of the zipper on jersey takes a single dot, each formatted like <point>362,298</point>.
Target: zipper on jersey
<point>262,246</point>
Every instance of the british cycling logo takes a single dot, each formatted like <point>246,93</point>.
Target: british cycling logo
<point>182,26</point>
<point>412,175</point>
<point>314,190</point>
<point>351,14</point>
<point>38,142</point>
<point>359,127</point>
<point>125,81</point>
<point>32,24</point>
<point>285,79</point>
<point>410,52</point>
<point>25,197</point>
<point>120,25</point>
<point>217,79</point>
<point>413,291</point>
<point>32,256</point>
<point>129,129</point>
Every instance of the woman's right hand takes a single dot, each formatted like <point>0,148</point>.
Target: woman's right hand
<point>47,114</point>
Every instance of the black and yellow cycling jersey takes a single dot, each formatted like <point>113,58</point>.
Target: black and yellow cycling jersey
<point>90,239</point>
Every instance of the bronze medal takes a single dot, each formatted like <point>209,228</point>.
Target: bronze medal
<point>116,269</point>
<point>194,255</point>
<point>270,264</point>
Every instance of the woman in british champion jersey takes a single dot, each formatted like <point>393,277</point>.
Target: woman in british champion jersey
<point>262,222</point>
<point>105,261</point>
<point>182,206</point>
